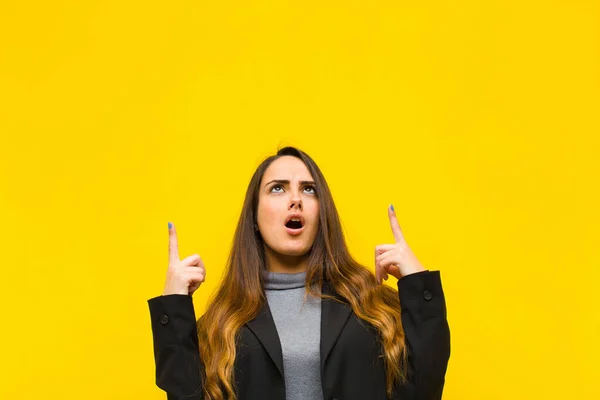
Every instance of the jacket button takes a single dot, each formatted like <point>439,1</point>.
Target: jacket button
<point>164,319</point>
<point>427,295</point>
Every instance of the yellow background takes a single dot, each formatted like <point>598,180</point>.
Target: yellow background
<point>478,120</point>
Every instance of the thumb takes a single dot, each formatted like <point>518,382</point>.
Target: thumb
<point>393,269</point>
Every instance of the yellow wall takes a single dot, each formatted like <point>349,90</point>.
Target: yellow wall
<point>479,120</point>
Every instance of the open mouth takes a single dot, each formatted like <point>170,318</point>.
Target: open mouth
<point>294,224</point>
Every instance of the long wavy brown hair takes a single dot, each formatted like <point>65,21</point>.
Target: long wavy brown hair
<point>240,295</point>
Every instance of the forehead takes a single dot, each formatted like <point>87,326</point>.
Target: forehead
<point>287,167</point>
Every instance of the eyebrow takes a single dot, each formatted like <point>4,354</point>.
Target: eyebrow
<point>287,182</point>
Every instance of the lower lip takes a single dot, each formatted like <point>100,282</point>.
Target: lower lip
<point>294,232</point>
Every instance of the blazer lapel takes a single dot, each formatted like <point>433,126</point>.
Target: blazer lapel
<point>333,318</point>
<point>263,327</point>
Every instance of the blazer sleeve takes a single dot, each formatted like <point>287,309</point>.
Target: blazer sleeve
<point>176,351</point>
<point>427,335</point>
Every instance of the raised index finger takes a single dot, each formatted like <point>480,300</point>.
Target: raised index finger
<point>394,224</point>
<point>173,245</point>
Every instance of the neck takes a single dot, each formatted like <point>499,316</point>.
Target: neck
<point>285,264</point>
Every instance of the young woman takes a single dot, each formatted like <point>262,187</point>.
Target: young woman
<point>295,316</point>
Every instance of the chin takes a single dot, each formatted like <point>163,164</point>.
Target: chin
<point>293,251</point>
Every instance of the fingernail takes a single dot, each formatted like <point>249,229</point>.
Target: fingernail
<point>392,207</point>
<point>170,225</point>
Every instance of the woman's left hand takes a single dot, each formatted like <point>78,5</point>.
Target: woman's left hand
<point>395,259</point>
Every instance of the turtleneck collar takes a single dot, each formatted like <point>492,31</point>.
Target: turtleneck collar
<point>283,281</point>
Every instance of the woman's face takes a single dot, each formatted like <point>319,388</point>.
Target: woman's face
<point>287,188</point>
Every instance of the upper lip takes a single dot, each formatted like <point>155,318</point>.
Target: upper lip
<point>295,215</point>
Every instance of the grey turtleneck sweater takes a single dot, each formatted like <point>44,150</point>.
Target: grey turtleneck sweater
<point>299,329</point>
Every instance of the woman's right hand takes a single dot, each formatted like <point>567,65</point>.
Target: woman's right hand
<point>183,276</point>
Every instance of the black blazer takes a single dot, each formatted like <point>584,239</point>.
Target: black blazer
<point>351,364</point>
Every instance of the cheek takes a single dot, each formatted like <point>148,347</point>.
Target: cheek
<point>314,212</point>
<point>267,213</point>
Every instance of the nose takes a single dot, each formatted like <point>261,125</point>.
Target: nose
<point>295,203</point>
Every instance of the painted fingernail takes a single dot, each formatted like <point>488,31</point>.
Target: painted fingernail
<point>170,225</point>
<point>392,207</point>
